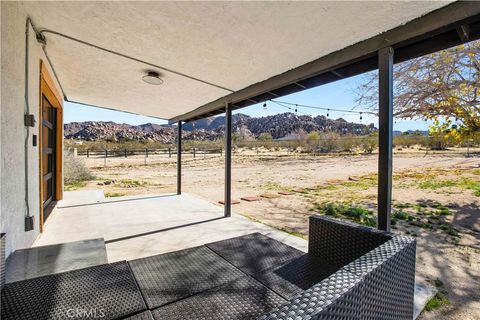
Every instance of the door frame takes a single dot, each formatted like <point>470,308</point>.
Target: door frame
<point>48,89</point>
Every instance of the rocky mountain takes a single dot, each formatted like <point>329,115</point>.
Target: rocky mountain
<point>98,130</point>
<point>246,127</point>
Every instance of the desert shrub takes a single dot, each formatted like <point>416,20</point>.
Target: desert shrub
<point>75,170</point>
<point>438,142</point>
<point>327,142</point>
<point>265,136</point>
<point>407,140</point>
<point>313,136</point>
<point>347,144</point>
<point>368,144</point>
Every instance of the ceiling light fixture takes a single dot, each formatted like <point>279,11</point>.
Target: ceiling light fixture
<point>152,78</point>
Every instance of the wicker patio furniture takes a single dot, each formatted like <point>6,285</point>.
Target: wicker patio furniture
<point>349,272</point>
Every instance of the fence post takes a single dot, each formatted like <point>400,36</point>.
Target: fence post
<point>221,152</point>
<point>125,152</point>
<point>193,152</point>
<point>146,152</point>
<point>169,152</point>
<point>469,144</point>
<point>87,153</point>
<point>105,158</point>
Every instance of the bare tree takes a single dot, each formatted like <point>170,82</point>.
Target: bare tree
<point>443,86</point>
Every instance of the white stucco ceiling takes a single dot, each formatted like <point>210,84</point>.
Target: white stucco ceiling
<point>231,44</point>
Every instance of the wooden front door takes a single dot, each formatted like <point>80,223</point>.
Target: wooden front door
<point>49,135</point>
<point>50,145</point>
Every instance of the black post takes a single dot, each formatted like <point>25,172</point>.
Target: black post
<point>169,152</point>
<point>385,136</point>
<point>179,158</point>
<point>87,154</point>
<point>193,152</point>
<point>228,161</point>
<point>125,152</point>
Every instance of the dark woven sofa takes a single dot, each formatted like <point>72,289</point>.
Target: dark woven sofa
<point>349,272</point>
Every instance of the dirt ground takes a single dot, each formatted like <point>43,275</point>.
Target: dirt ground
<point>436,199</point>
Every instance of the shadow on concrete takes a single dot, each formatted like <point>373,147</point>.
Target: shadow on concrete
<point>161,230</point>
<point>119,200</point>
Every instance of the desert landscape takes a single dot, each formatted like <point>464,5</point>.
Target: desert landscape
<point>436,196</point>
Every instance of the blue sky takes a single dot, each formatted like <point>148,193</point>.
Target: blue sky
<point>338,95</point>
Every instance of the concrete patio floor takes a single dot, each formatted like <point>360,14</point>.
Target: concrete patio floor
<point>141,226</point>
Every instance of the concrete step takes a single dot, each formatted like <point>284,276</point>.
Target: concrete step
<point>40,261</point>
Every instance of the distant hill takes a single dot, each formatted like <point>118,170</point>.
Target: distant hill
<point>279,126</point>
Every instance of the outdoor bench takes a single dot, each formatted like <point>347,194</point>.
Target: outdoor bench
<point>349,272</point>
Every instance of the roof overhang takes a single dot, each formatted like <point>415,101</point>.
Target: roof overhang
<point>212,53</point>
<point>444,28</point>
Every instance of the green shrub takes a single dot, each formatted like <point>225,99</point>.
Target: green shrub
<point>436,302</point>
<point>357,214</point>
<point>402,205</point>
<point>369,144</point>
<point>462,183</point>
<point>265,137</point>
<point>437,184</point>
<point>113,194</point>
<point>443,211</point>
<point>74,186</point>
<point>449,230</point>
<point>401,215</point>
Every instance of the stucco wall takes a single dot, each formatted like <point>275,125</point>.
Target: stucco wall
<point>13,132</point>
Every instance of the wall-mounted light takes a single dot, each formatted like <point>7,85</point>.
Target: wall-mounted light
<point>152,77</point>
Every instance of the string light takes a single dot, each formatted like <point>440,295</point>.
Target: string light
<point>341,123</point>
<point>322,108</point>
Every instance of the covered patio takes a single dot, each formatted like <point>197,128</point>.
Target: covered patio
<point>175,256</point>
<point>119,69</point>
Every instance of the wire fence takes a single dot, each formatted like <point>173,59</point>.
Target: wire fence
<point>363,144</point>
<point>125,153</point>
